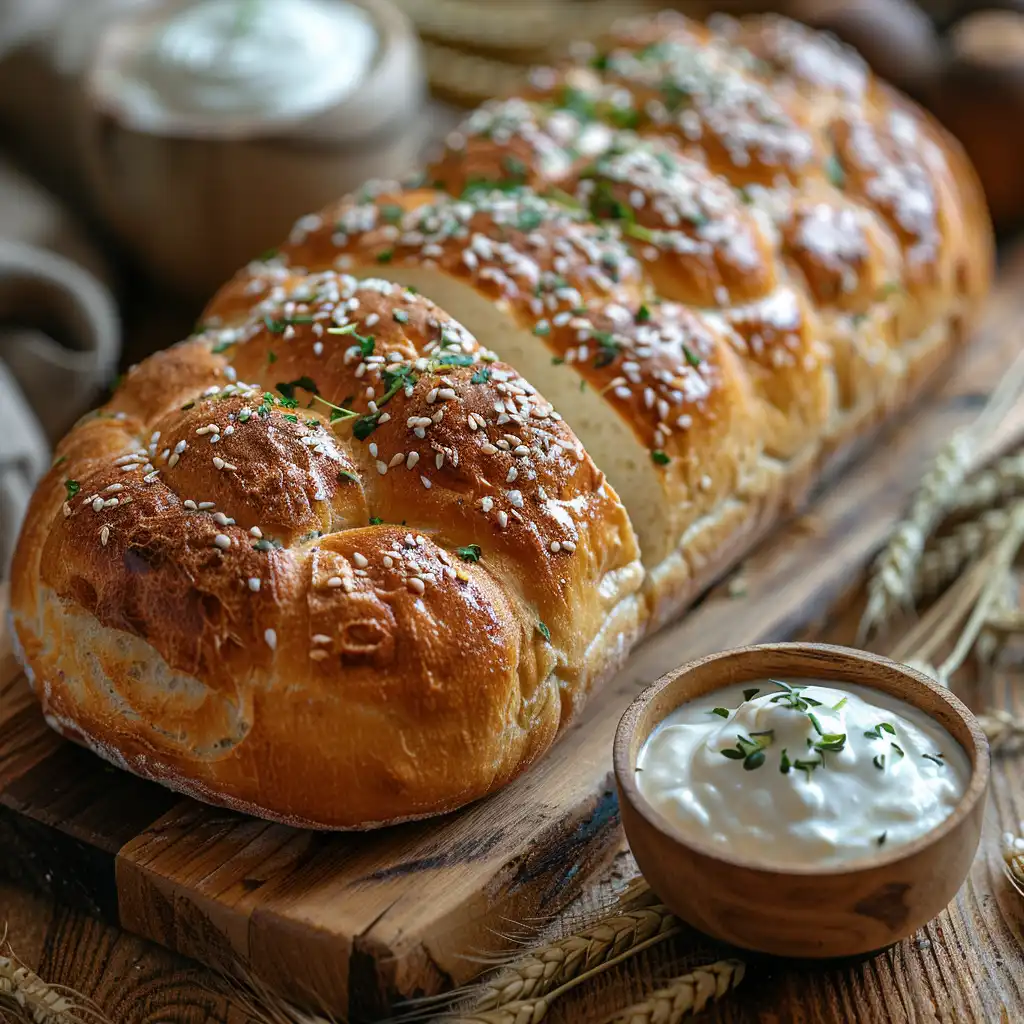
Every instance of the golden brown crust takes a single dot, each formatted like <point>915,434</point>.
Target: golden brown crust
<point>743,248</point>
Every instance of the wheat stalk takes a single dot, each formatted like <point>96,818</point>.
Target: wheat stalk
<point>891,585</point>
<point>944,559</point>
<point>685,995</point>
<point>991,486</point>
<point>1013,857</point>
<point>531,1011</point>
<point>549,967</point>
<point>26,997</point>
<point>1000,727</point>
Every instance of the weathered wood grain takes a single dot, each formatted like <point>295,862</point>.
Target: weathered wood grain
<point>357,922</point>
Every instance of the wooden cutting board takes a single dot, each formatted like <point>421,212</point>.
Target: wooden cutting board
<point>355,923</point>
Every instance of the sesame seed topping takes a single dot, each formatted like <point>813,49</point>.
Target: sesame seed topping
<point>502,519</point>
<point>254,584</point>
<point>569,545</point>
<point>360,560</point>
<point>426,483</point>
<point>190,504</point>
<point>411,459</point>
<point>334,582</point>
<point>205,506</point>
<point>222,540</point>
<point>555,546</point>
<point>104,535</point>
<point>416,585</point>
<point>320,638</point>
<point>271,638</point>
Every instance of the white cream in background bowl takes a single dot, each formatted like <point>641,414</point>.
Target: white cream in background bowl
<point>205,128</point>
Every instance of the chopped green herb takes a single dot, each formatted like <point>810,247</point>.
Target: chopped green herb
<point>287,388</point>
<point>816,724</point>
<point>347,329</point>
<point>365,425</point>
<point>841,704</point>
<point>542,329</point>
<point>390,213</point>
<point>344,474</point>
<point>610,347</point>
<point>785,764</point>
<point>557,360</point>
<point>376,520</point>
<point>267,256</point>
<point>937,758</point>
<point>400,316</point>
<point>529,220</point>
<point>366,345</point>
<point>643,314</point>
<point>221,347</point>
<point>807,766</point>
<point>291,417</point>
<point>482,376</point>
<point>879,761</point>
<point>187,406</point>
<point>544,631</point>
<point>898,749</point>
<point>721,712</point>
<point>385,255</point>
<point>660,458</point>
<point>56,462</point>
<point>339,412</point>
<point>514,166</point>
<point>471,553</point>
<point>889,288</point>
<point>881,838</point>
<point>278,326</point>
<point>872,734</point>
<point>751,693</point>
<point>887,726</point>
<point>754,760</point>
<point>835,172</point>
<point>72,487</point>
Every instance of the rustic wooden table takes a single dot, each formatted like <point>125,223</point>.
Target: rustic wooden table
<point>965,967</point>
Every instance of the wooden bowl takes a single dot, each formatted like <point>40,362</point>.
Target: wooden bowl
<point>836,911</point>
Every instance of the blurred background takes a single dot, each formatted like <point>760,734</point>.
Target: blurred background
<point>148,148</point>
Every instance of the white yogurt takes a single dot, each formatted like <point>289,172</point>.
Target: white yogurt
<point>225,60</point>
<point>814,775</point>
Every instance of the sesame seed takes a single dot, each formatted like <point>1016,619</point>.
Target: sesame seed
<point>411,459</point>
<point>173,460</point>
<point>382,467</point>
<point>104,535</point>
<point>271,638</point>
<point>569,545</point>
<point>190,504</point>
<point>360,560</point>
<point>396,459</point>
<point>254,584</point>
<point>220,519</point>
<point>516,499</point>
<point>446,394</point>
<point>416,585</point>
<point>334,582</point>
<point>320,638</point>
<point>487,503</point>
<point>114,488</point>
<point>521,450</point>
<point>207,505</point>
<point>439,460</point>
<point>228,430</point>
<point>255,531</point>
<point>388,561</point>
<point>373,448</point>
<point>318,655</point>
<point>150,478</point>
<point>97,505</point>
<point>555,546</point>
<point>512,474</point>
<point>222,540</point>
<point>384,417</point>
<point>426,483</point>
<point>432,396</point>
<point>218,463</point>
<point>502,519</point>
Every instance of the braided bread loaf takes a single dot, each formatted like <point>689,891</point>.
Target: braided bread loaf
<point>334,562</point>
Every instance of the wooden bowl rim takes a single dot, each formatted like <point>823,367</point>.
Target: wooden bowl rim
<point>626,776</point>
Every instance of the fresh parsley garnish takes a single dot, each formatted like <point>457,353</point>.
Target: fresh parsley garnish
<point>544,631</point>
<point>278,326</point>
<point>471,553</point>
<point>721,712</point>
<point>376,520</point>
<point>751,693</point>
<point>72,487</point>
<point>482,376</point>
<point>287,387</point>
<point>344,474</point>
<point>937,758</point>
<point>659,457</point>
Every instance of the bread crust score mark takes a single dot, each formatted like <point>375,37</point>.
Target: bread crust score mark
<point>333,561</point>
